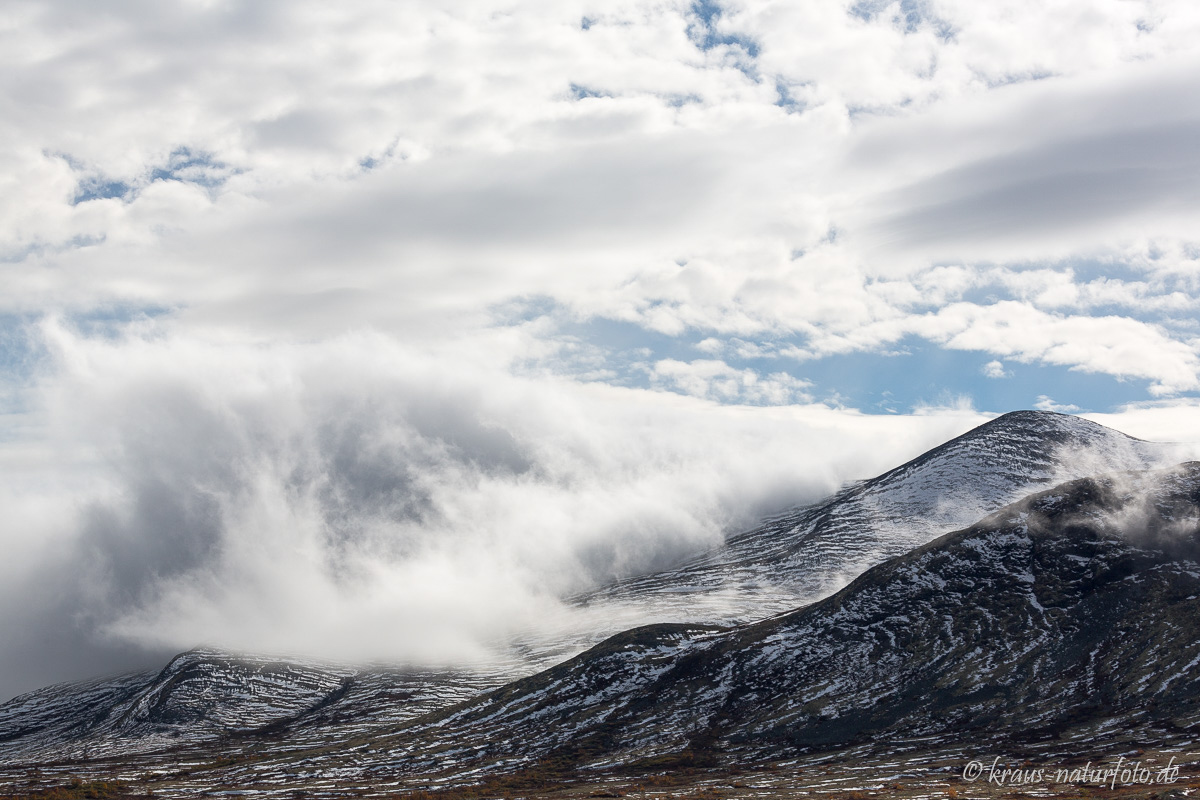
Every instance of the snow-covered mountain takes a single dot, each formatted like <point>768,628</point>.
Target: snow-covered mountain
<point>1071,617</point>
<point>205,694</point>
<point>812,551</point>
<point>254,708</point>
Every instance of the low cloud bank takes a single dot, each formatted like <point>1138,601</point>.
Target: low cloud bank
<point>355,499</point>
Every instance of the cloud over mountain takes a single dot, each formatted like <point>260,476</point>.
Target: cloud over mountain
<point>355,499</point>
<point>359,314</point>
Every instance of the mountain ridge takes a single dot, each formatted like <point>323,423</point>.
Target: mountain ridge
<point>1069,630</point>
<point>134,717</point>
<point>810,551</point>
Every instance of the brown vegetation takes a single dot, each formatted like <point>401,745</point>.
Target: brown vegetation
<point>77,790</point>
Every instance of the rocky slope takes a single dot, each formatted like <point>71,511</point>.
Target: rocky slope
<point>204,695</point>
<point>812,551</point>
<point>1071,615</point>
<point>207,696</point>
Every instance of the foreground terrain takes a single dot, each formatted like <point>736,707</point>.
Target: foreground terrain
<point>836,776</point>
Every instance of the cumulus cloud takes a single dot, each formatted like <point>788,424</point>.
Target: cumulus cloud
<point>1045,403</point>
<point>739,171</point>
<point>1115,345</point>
<point>995,369</point>
<point>716,380</point>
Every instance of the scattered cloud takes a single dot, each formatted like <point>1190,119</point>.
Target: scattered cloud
<point>718,381</point>
<point>995,369</point>
<point>1045,403</point>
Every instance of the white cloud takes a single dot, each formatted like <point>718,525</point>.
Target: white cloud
<point>995,369</point>
<point>1161,421</point>
<point>1045,403</point>
<point>716,380</point>
<point>400,166</point>
<point>1116,345</point>
<point>359,498</point>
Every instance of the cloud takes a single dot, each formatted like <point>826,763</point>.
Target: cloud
<point>716,380</point>
<point>285,409</point>
<point>1091,161</point>
<point>396,166</point>
<point>357,498</point>
<point>1045,403</point>
<point>1116,345</point>
<point>1172,420</point>
<point>1138,178</point>
<point>995,369</point>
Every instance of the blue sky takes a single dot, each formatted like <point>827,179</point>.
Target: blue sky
<point>312,313</point>
<point>909,374</point>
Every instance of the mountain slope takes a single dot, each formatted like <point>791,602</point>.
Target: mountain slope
<point>1071,615</point>
<point>206,696</point>
<point>812,551</point>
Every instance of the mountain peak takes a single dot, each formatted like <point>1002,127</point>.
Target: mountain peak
<point>1052,424</point>
<point>1062,619</point>
<point>1029,617</point>
<point>811,551</point>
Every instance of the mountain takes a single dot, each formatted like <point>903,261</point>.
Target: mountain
<point>1070,619</point>
<point>256,708</point>
<point>205,695</point>
<point>808,553</point>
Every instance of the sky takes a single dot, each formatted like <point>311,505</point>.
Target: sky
<point>372,329</point>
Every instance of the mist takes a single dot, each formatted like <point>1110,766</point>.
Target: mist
<point>355,499</point>
<point>1154,510</point>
